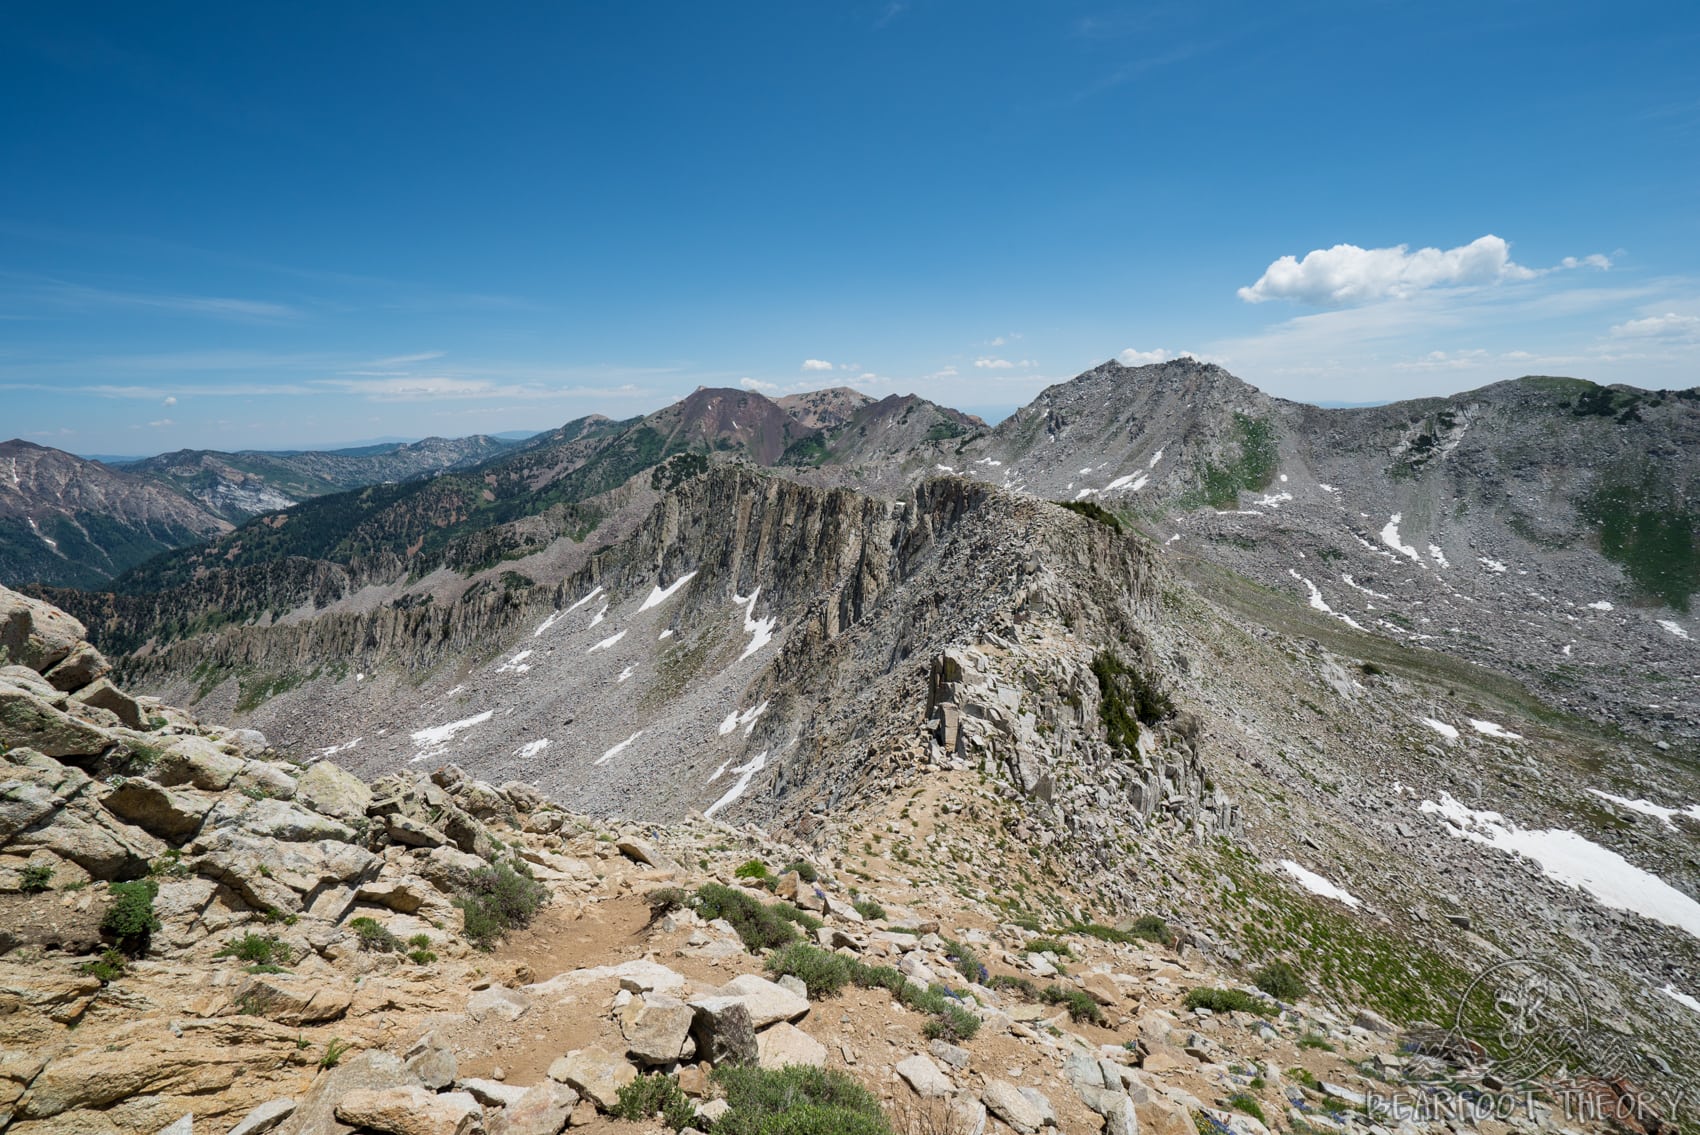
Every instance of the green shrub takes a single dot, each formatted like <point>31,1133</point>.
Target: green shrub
<point>1093,511</point>
<point>966,961</point>
<point>35,878</point>
<point>262,949</point>
<point>1018,985</point>
<point>1240,1101</point>
<point>1079,1004</point>
<point>374,936</point>
<point>1319,1043</point>
<point>1127,700</point>
<point>952,1024</point>
<point>664,900</point>
<point>1281,981</point>
<point>869,909</point>
<point>169,866</point>
<point>823,971</point>
<point>1049,946</point>
<point>421,957</point>
<point>334,1052</point>
<point>1153,929</point>
<point>499,898</point>
<point>1226,1001</point>
<point>759,926</point>
<point>649,1096</point>
<point>751,869</point>
<point>107,968</point>
<point>130,919</point>
<point>805,870</point>
<point>796,1100</point>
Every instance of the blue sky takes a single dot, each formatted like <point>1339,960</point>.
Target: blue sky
<point>232,225</point>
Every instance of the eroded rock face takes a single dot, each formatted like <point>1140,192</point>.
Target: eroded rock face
<point>36,634</point>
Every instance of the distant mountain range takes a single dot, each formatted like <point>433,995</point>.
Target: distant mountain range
<point>72,521</point>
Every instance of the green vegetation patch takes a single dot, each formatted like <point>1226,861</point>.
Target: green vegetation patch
<point>130,919</point>
<point>1648,528</point>
<point>497,899</point>
<point>1127,699</point>
<point>1219,485</point>
<point>1093,511</point>
<point>796,1100</point>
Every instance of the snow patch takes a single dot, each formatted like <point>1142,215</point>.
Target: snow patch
<point>594,592</point>
<point>747,719</point>
<point>1648,808</point>
<point>1272,500</point>
<point>1132,482</point>
<point>719,772</point>
<point>342,748</point>
<point>1173,538</point>
<point>660,595</point>
<point>1437,555</point>
<point>1673,628</point>
<point>1356,586</point>
<point>1158,456</point>
<point>666,634</point>
<point>1680,998</point>
<point>515,665</point>
<point>1440,727</point>
<point>944,468</point>
<point>531,748</point>
<point>432,741</point>
<point>760,630</point>
<point>1600,605</point>
<point>618,749</point>
<point>600,615</point>
<point>607,642</point>
<point>626,673</point>
<point>1493,729</point>
<point>1567,858</point>
<point>1492,565</point>
<point>1326,488</point>
<point>1390,537</point>
<point>553,618</point>
<point>747,772</point>
<point>1317,885</point>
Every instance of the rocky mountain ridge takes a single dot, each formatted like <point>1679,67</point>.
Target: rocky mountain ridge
<point>206,934</point>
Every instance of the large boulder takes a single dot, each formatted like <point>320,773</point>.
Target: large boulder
<point>102,694</point>
<point>36,634</point>
<point>198,762</point>
<point>657,1029</point>
<point>94,840</point>
<point>169,813</point>
<point>316,1114</point>
<point>332,791</point>
<point>282,820</point>
<point>83,665</point>
<point>724,1032</point>
<point>594,1073</point>
<point>542,1110</point>
<point>411,1110</point>
<point>293,999</point>
<point>767,1002</point>
<point>36,787</point>
<point>284,876</point>
<point>29,720</point>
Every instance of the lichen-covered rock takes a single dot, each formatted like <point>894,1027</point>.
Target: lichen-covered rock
<point>332,791</point>
<point>35,634</point>
<point>171,814</point>
<point>594,1073</point>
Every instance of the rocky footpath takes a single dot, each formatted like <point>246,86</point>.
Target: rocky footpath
<point>202,934</point>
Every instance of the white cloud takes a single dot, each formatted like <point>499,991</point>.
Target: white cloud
<point>1667,326</point>
<point>169,400</point>
<point>816,364</point>
<point>946,372</point>
<point>756,384</point>
<point>993,364</point>
<point>1347,274</point>
<point>163,422</point>
<point>1133,358</point>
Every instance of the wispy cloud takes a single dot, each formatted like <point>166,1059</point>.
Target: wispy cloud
<point>816,364</point>
<point>66,295</point>
<point>1670,325</point>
